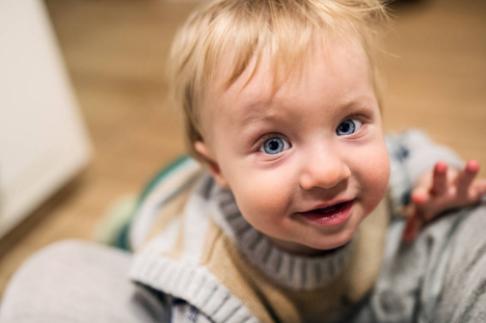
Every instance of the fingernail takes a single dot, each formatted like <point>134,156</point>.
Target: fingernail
<point>419,198</point>
<point>441,167</point>
<point>472,166</point>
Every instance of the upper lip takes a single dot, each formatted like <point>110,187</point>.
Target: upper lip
<point>327,204</point>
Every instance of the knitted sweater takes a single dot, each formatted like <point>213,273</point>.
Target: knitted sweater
<point>209,265</point>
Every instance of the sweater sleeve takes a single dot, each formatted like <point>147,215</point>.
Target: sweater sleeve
<point>412,153</point>
<point>463,296</point>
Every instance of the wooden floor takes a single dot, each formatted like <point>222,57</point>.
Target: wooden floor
<point>115,53</point>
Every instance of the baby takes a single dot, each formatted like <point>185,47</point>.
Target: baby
<point>288,220</point>
<point>298,209</point>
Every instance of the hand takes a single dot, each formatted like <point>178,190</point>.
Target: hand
<point>439,190</point>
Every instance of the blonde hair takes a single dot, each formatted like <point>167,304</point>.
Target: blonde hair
<point>240,30</point>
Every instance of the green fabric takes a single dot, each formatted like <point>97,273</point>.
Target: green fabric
<point>121,239</point>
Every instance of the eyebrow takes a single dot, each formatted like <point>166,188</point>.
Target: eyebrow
<point>254,111</point>
<point>356,102</point>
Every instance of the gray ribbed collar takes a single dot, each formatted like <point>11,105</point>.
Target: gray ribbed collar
<point>288,270</point>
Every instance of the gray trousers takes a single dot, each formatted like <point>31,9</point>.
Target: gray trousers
<point>76,281</point>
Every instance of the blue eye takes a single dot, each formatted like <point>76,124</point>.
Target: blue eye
<point>274,145</point>
<point>348,127</point>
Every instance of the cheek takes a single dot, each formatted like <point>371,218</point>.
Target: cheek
<point>379,180</point>
<point>263,199</point>
<point>374,174</point>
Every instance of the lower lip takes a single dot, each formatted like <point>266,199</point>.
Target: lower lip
<point>329,219</point>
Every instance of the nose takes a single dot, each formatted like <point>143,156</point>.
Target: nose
<point>324,169</point>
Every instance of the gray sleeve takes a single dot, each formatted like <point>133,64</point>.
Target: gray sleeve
<point>412,153</point>
<point>463,297</point>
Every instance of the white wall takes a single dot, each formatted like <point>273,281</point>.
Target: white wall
<point>42,139</point>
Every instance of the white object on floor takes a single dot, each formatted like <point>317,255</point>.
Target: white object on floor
<point>43,142</point>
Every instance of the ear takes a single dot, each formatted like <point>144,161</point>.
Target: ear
<point>207,157</point>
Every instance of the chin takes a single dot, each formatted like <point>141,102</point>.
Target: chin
<point>329,246</point>
<point>339,241</point>
<point>339,244</point>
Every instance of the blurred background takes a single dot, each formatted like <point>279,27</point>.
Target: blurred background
<point>103,81</point>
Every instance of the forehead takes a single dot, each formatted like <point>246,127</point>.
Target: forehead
<point>334,70</point>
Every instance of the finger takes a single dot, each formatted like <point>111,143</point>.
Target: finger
<point>424,205</point>
<point>412,229</point>
<point>466,177</point>
<point>420,197</point>
<point>477,192</point>
<point>482,192</point>
<point>480,186</point>
<point>439,179</point>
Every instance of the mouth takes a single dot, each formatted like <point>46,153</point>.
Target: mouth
<point>330,215</point>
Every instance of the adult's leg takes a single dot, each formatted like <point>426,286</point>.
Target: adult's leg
<point>75,281</point>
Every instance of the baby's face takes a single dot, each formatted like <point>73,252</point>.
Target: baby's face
<point>308,163</point>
